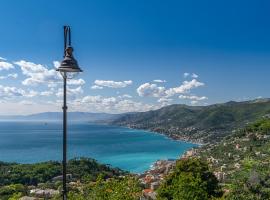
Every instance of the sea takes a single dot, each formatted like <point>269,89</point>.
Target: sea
<point>128,149</point>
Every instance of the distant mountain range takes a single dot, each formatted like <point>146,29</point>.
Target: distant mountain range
<point>57,116</point>
<point>201,124</point>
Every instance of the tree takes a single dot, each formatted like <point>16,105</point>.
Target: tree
<point>126,188</point>
<point>191,179</point>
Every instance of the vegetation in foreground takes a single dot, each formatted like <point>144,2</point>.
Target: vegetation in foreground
<point>191,179</point>
<point>20,178</point>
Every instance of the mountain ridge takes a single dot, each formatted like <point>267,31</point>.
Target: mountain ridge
<point>199,124</point>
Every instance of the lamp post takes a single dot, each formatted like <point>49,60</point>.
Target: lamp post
<point>68,68</point>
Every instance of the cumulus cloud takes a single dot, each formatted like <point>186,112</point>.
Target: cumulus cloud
<point>72,92</point>
<point>37,73</point>
<point>10,92</point>
<point>9,76</point>
<point>52,85</point>
<point>194,75</point>
<point>47,93</point>
<point>186,74</point>
<point>96,87</point>
<point>165,100</point>
<point>56,64</point>
<point>5,65</point>
<point>150,90</point>
<point>125,96</point>
<point>184,88</point>
<point>76,82</point>
<point>112,104</point>
<point>159,81</point>
<point>112,84</point>
<point>193,97</point>
<point>30,93</point>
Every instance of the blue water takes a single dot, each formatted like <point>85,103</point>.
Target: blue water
<point>132,150</point>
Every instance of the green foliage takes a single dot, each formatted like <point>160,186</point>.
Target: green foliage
<point>15,196</point>
<point>126,188</point>
<point>191,179</point>
<point>262,125</point>
<point>12,191</point>
<point>116,189</point>
<point>250,185</point>
<point>32,174</point>
<point>251,180</point>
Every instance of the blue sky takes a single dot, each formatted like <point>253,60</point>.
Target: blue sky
<point>206,51</point>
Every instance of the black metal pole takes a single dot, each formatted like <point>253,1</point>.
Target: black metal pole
<point>65,139</point>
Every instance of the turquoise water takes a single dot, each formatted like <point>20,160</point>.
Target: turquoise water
<point>133,150</point>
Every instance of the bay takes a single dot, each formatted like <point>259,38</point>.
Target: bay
<point>128,149</point>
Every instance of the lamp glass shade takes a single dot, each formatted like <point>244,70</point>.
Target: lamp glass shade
<point>69,64</point>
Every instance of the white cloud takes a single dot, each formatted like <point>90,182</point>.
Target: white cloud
<point>194,102</point>
<point>150,90</point>
<point>47,93</point>
<point>10,92</point>
<point>159,81</point>
<point>193,97</point>
<point>125,96</point>
<point>76,82</point>
<point>96,87</point>
<point>72,92</point>
<point>194,75</point>
<point>185,87</point>
<point>113,84</point>
<point>37,73</point>
<point>1,58</point>
<point>52,85</point>
<point>165,100</point>
<point>9,76</point>
<point>31,93</point>
<point>5,65</point>
<point>56,64</point>
<point>128,105</point>
<point>186,74</point>
<point>112,104</point>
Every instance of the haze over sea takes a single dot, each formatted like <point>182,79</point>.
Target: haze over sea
<point>128,149</point>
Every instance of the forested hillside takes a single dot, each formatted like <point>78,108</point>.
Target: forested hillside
<point>202,124</point>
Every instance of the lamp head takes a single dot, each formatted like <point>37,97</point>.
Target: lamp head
<point>69,64</point>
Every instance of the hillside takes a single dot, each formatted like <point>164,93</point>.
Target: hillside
<point>201,124</point>
<point>241,161</point>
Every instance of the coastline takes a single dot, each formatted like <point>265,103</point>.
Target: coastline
<point>170,136</point>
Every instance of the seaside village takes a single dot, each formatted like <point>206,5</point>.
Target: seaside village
<point>150,180</point>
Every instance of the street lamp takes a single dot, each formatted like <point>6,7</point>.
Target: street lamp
<point>68,68</point>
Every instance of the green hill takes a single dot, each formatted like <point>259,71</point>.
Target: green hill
<point>241,161</point>
<point>202,124</point>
